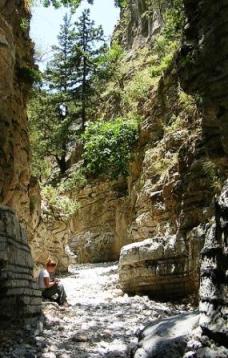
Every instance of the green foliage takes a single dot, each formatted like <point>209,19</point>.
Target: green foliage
<point>75,3</point>
<point>24,24</point>
<point>121,3</point>
<point>76,180</point>
<point>29,74</point>
<point>159,69</point>
<point>211,171</point>
<point>108,147</point>
<point>187,102</point>
<point>69,3</point>
<point>167,43</point>
<point>89,45</point>
<point>109,61</point>
<point>136,88</point>
<point>57,203</point>
<point>58,75</point>
<point>57,114</point>
<point>50,134</point>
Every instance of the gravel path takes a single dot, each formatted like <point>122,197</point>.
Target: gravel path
<point>102,321</point>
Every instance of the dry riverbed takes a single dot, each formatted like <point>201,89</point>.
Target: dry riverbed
<point>101,322</point>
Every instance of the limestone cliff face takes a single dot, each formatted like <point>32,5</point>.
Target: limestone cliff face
<point>140,21</point>
<point>99,229</point>
<point>171,196</point>
<point>17,189</point>
<point>19,297</point>
<point>205,73</point>
<point>178,168</point>
<point>15,80</point>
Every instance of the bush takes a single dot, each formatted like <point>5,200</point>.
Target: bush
<point>108,147</point>
<point>57,204</point>
<point>76,180</point>
<point>29,74</point>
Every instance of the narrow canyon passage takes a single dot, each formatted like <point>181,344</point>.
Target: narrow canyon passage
<point>102,321</point>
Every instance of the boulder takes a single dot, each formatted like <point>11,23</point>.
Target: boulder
<point>167,337</point>
<point>160,267</point>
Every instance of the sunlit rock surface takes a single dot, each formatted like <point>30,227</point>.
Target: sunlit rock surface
<point>102,322</point>
<point>99,228</point>
<point>160,267</point>
<point>15,80</point>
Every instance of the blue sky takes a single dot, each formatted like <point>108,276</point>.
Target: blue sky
<point>45,22</point>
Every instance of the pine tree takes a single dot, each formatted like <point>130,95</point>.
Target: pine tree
<point>69,3</point>
<point>58,111</point>
<point>57,105</point>
<point>58,73</point>
<point>89,44</point>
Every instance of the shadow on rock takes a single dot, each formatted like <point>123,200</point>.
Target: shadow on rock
<point>167,337</point>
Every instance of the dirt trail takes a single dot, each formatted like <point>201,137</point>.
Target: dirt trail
<point>102,321</point>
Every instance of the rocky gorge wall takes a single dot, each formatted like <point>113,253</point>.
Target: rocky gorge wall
<point>18,190</point>
<point>205,36</point>
<point>15,81</point>
<point>160,202</point>
<point>140,21</point>
<point>99,228</point>
<point>166,208</point>
<point>19,297</point>
<point>179,166</point>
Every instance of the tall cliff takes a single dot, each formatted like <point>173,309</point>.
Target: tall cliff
<point>165,212</point>
<point>174,200</point>
<point>16,75</point>
<point>19,297</point>
<point>158,201</point>
<point>205,72</point>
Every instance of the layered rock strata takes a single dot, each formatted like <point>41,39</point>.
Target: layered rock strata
<point>204,72</point>
<point>20,297</point>
<point>50,240</point>
<point>161,267</point>
<point>182,169</point>
<point>99,228</point>
<point>16,72</point>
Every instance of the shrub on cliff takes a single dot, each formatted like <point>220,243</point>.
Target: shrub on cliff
<point>108,147</point>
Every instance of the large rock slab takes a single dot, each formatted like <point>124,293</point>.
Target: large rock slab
<point>160,267</point>
<point>167,337</point>
<point>19,295</point>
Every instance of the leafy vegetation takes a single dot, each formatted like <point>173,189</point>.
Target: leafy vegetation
<point>75,3</point>
<point>108,147</point>
<point>58,204</point>
<point>58,111</point>
<point>76,180</point>
<point>51,133</point>
<point>210,170</point>
<point>93,93</point>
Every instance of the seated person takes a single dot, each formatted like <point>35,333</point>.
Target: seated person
<point>51,287</point>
